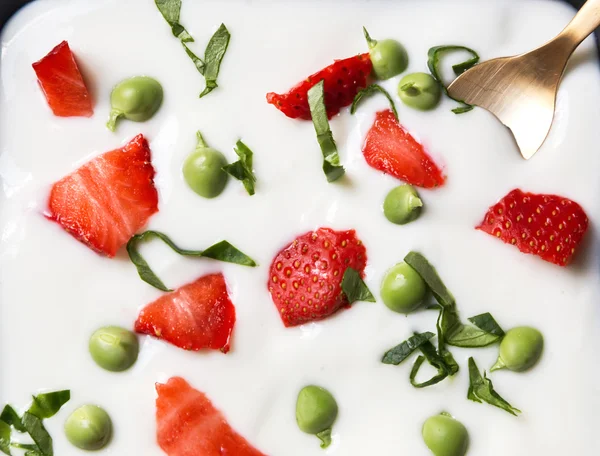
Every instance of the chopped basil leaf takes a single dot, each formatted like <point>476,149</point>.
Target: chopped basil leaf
<point>170,10</point>
<point>48,404</point>
<point>355,288</point>
<point>481,390</point>
<point>331,159</point>
<point>25,446</point>
<point>325,437</point>
<point>33,453</point>
<point>242,169</point>
<point>485,332</point>
<point>221,251</point>
<point>428,273</point>
<point>402,351</point>
<point>433,61</point>
<point>10,417</point>
<point>5,437</point>
<point>487,323</point>
<point>371,90</point>
<point>213,56</point>
<point>448,323</point>
<point>38,433</point>
<point>197,61</point>
<point>444,363</point>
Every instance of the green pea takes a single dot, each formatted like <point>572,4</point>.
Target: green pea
<point>445,436</point>
<point>389,57</point>
<point>316,410</point>
<point>419,91</point>
<point>89,428</point>
<point>402,205</point>
<point>203,170</point>
<point>114,349</point>
<point>520,349</point>
<point>403,289</point>
<point>136,99</point>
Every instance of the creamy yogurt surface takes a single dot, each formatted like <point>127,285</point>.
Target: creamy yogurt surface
<point>54,291</point>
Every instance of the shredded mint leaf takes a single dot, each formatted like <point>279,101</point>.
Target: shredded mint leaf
<point>325,437</point>
<point>48,404</point>
<point>402,351</point>
<point>433,61</point>
<point>487,323</point>
<point>197,61</point>
<point>242,169</point>
<point>485,332</point>
<point>448,323</point>
<point>444,363</point>
<point>12,418</point>
<point>355,288</point>
<point>482,390</point>
<point>170,10</point>
<point>221,251</point>
<point>38,433</point>
<point>420,264</point>
<point>331,159</point>
<point>372,90</point>
<point>25,446</point>
<point>33,453</point>
<point>213,56</point>
<point>5,437</point>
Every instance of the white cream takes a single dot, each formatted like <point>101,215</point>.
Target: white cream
<point>55,291</point>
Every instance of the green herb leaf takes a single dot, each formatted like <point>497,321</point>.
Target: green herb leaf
<point>428,273</point>
<point>433,61</point>
<point>485,332</point>
<point>213,56</point>
<point>371,90</point>
<point>355,288</point>
<point>170,10</point>
<point>242,169</point>
<point>25,446</point>
<point>402,351</point>
<point>38,433</point>
<point>221,251</point>
<point>487,323</point>
<point>325,437</point>
<point>448,323</point>
<point>197,61</point>
<point>33,453</point>
<point>331,159</point>
<point>444,363</point>
<point>48,404</point>
<point>481,390</point>
<point>5,437</point>
<point>12,418</point>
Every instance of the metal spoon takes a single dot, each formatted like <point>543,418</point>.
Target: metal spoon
<point>521,90</point>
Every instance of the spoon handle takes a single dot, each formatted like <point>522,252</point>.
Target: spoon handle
<point>584,23</point>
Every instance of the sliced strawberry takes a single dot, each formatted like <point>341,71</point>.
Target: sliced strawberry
<point>188,424</point>
<point>548,226</point>
<point>62,83</point>
<point>343,79</point>
<point>305,277</point>
<point>196,316</point>
<point>108,199</point>
<point>391,149</point>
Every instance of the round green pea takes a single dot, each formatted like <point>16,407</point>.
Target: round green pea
<point>203,170</point>
<point>114,349</point>
<point>403,289</point>
<point>402,205</point>
<point>136,99</point>
<point>316,409</point>
<point>445,436</point>
<point>419,91</point>
<point>389,57</point>
<point>520,349</point>
<point>89,428</point>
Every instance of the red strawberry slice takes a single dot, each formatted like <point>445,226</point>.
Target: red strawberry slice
<point>196,316</point>
<point>342,81</point>
<point>188,424</point>
<point>108,199</point>
<point>548,226</point>
<point>62,83</point>
<point>391,149</point>
<point>305,277</point>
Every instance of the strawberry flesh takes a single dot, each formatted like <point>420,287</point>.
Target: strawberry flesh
<point>62,84</point>
<point>549,226</point>
<point>342,81</point>
<point>196,316</point>
<point>305,277</point>
<point>391,149</point>
<point>107,200</point>
<point>188,424</point>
